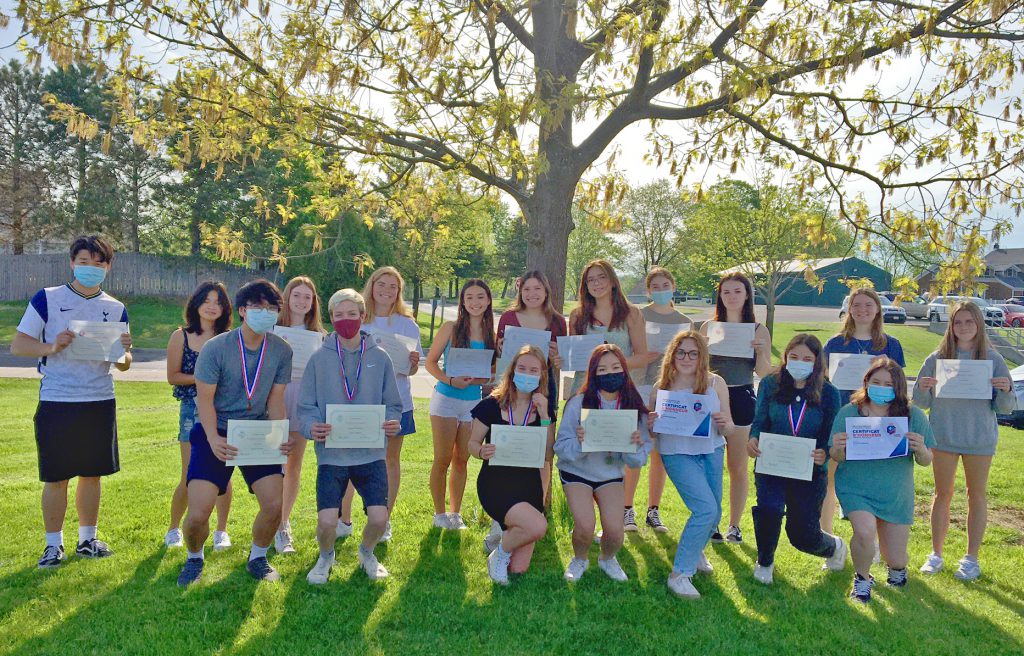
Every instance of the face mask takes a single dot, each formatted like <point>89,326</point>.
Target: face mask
<point>799,369</point>
<point>525,383</point>
<point>880,394</point>
<point>89,276</point>
<point>347,328</point>
<point>611,382</point>
<point>260,319</point>
<point>662,298</point>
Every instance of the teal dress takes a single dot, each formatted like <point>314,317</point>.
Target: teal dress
<point>618,337</point>
<point>884,488</point>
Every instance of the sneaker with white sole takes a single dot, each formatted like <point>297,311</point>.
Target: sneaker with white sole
<point>321,571</point>
<point>574,571</point>
<point>933,564</point>
<point>93,549</point>
<point>53,556</point>
<point>368,561</point>
<point>629,520</point>
<point>837,561</point>
<point>612,568</point>
<point>897,578</point>
<point>342,530</point>
<point>861,591</point>
<point>261,569</point>
<point>717,536</point>
<point>969,570</point>
<point>734,535</point>
<point>283,541</point>
<point>704,565</point>
<point>441,521</point>
<point>497,566</point>
<point>764,574</point>
<point>654,520</point>
<point>191,572</point>
<point>493,538</point>
<point>221,540</point>
<point>386,535</point>
<point>455,522</point>
<point>174,539</point>
<point>682,586</point>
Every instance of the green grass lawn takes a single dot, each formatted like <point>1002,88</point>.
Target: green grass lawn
<point>439,598</point>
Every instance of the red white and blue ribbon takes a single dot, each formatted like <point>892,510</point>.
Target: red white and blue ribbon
<point>796,425</point>
<point>350,391</point>
<point>526,417</point>
<point>250,390</point>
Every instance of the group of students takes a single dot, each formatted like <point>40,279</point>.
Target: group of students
<point>220,374</point>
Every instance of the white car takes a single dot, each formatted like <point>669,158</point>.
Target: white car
<point>938,309</point>
<point>1016,417</point>
<point>916,307</point>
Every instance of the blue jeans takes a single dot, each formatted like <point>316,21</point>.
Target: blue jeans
<point>699,482</point>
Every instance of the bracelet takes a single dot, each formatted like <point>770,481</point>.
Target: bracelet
<point>545,422</point>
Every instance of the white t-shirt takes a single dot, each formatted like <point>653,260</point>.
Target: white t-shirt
<point>398,324</point>
<point>48,315</point>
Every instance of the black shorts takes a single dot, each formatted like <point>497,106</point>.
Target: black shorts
<point>76,439</point>
<point>203,465</point>
<point>567,478</point>
<point>500,488</point>
<point>742,404</point>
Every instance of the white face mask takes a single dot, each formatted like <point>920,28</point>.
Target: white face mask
<point>799,369</point>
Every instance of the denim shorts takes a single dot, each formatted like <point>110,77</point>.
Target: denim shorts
<point>370,480</point>
<point>187,416</point>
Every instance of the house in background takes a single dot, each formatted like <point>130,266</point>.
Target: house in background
<point>794,290</point>
<point>1003,278</point>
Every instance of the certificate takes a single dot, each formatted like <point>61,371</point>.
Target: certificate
<point>876,438</point>
<point>660,335</point>
<point>731,339</point>
<point>785,456</point>
<point>258,442</point>
<point>519,446</point>
<point>516,338</point>
<point>609,430</point>
<point>304,344</point>
<point>96,340</point>
<point>683,413</point>
<point>398,348</point>
<point>575,350</point>
<point>355,426</point>
<point>963,379</point>
<point>846,370</point>
<point>469,362</point>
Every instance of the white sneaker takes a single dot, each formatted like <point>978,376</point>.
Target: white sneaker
<point>321,571</point>
<point>574,572</point>
<point>497,566</point>
<point>764,574</point>
<point>441,521</point>
<point>386,535</point>
<point>493,538</point>
<point>970,569</point>
<point>283,541</point>
<point>343,530</point>
<point>682,586</point>
<point>703,565</point>
<point>369,563</point>
<point>933,565</point>
<point>837,561</point>
<point>612,568</point>
<point>221,540</point>
<point>455,522</point>
<point>173,539</point>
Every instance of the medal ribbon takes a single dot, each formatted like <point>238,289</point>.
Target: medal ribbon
<point>350,392</point>
<point>526,417</point>
<point>250,390</point>
<point>796,426</point>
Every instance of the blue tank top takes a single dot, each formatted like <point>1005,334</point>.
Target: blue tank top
<point>471,392</point>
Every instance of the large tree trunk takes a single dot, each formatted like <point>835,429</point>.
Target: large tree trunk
<point>549,222</point>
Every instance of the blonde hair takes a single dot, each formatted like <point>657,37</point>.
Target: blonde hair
<point>312,320</point>
<point>667,375</point>
<point>343,295</point>
<point>399,306</point>
<point>503,392</point>
<point>948,347</point>
<point>878,337</point>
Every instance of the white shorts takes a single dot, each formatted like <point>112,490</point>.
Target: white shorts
<point>446,406</point>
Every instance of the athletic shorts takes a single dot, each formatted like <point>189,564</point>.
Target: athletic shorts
<point>76,439</point>
<point>742,404</point>
<point>370,481</point>
<point>204,466</point>
<point>446,406</point>
<point>567,478</point>
<point>408,424</point>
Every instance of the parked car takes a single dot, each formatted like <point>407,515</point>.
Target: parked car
<point>1016,417</point>
<point>890,313</point>
<point>916,307</point>
<point>938,309</point>
<point>1013,314</point>
<point>684,297</point>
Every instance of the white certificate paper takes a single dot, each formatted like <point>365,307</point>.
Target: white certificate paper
<point>304,344</point>
<point>575,350</point>
<point>609,430</point>
<point>731,339</point>
<point>355,426</point>
<point>96,340</point>
<point>398,348</point>
<point>876,438</point>
<point>469,362</point>
<point>258,441</point>
<point>519,446</point>
<point>516,338</point>
<point>963,379</point>
<point>785,456</point>
<point>846,370</point>
<point>660,335</point>
<point>682,413</point>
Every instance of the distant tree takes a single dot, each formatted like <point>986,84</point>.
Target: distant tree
<point>589,241</point>
<point>654,218</point>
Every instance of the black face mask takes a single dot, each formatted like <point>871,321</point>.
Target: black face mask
<point>611,382</point>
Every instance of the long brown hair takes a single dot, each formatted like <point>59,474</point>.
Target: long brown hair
<point>629,397</point>
<point>312,319</point>
<point>948,346</point>
<point>460,331</point>
<point>503,392</point>
<point>878,337</point>
<point>399,306</point>
<point>898,407</point>
<point>721,314</point>
<point>548,308</point>
<point>667,375</point>
<point>582,317</point>
<point>787,391</point>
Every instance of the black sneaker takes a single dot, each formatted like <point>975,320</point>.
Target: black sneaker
<point>93,549</point>
<point>734,535</point>
<point>52,556</point>
<point>262,570</point>
<point>191,572</point>
<point>897,578</point>
<point>862,588</point>
<point>654,520</point>
<point>716,537</point>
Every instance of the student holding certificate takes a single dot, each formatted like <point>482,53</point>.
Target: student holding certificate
<point>455,397</point>
<point>76,419</point>
<point>303,312</point>
<point>349,369</point>
<point>878,495</point>
<point>796,401</point>
<point>207,314</point>
<point>597,476</point>
<point>694,462</point>
<point>735,304</point>
<point>240,374</point>
<point>513,496</point>
<point>965,428</point>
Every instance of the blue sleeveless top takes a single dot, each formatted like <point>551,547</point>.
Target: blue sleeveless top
<point>472,392</point>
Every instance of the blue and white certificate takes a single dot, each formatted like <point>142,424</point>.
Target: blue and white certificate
<point>683,413</point>
<point>876,438</point>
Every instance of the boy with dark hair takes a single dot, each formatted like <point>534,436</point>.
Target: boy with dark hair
<point>76,419</point>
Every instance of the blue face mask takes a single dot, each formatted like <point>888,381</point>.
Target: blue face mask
<point>662,298</point>
<point>89,276</point>
<point>799,369</point>
<point>880,394</point>
<point>525,383</point>
<point>260,320</point>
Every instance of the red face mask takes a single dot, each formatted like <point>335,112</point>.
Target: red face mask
<point>347,328</point>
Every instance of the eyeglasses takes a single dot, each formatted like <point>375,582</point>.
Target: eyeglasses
<point>687,355</point>
<point>601,277</point>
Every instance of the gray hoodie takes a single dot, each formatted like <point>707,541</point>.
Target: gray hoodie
<point>595,467</point>
<point>322,385</point>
